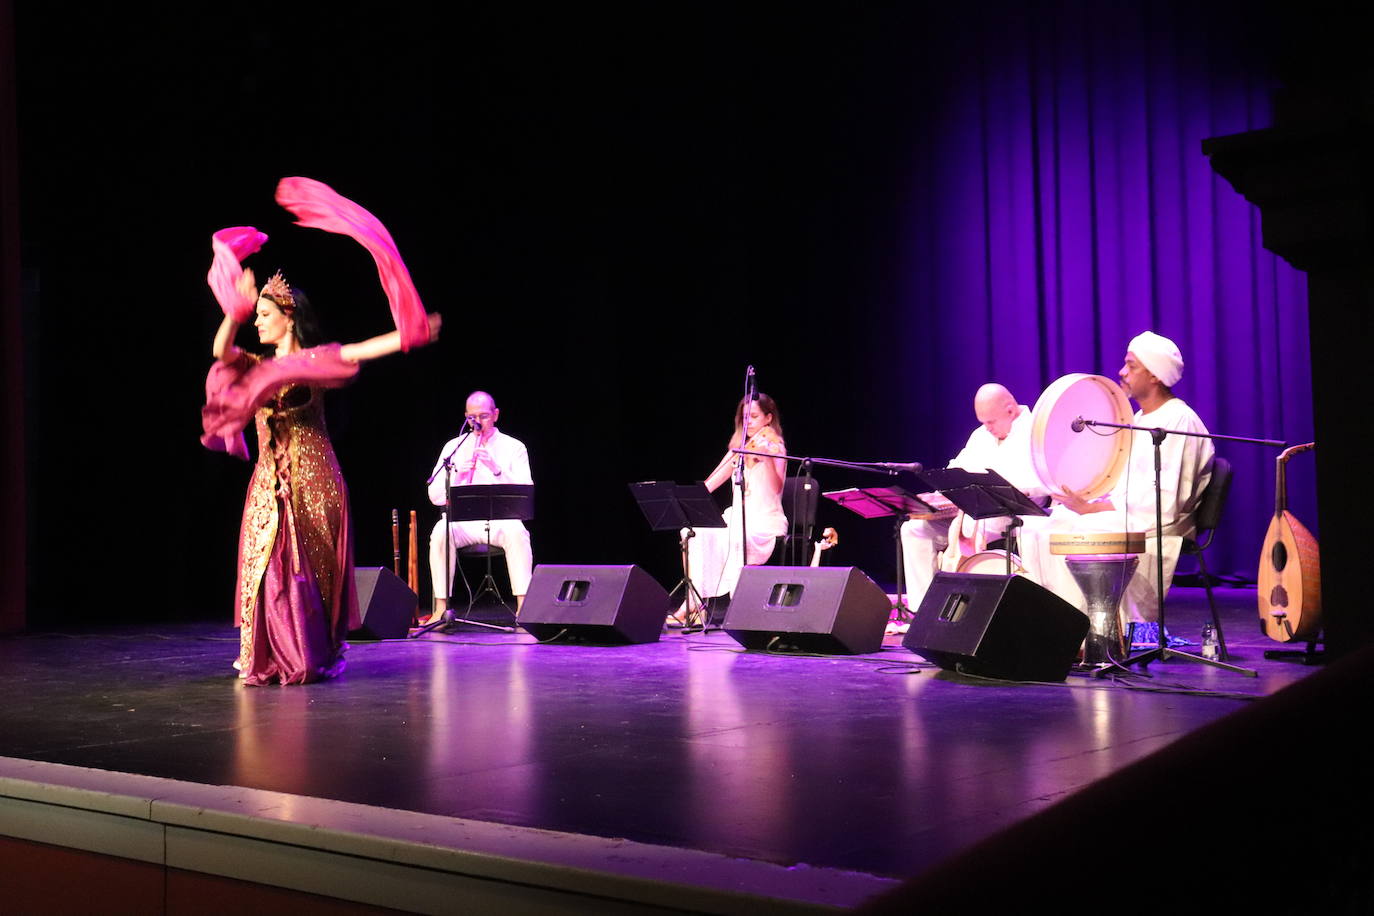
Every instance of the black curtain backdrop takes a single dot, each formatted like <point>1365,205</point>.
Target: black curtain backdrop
<point>616,210</point>
<point>13,516</point>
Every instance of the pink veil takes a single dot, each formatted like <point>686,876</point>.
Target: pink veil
<point>318,206</point>
<point>231,246</point>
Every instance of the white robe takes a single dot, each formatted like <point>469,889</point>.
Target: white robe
<point>1185,470</point>
<point>922,540</point>
<point>509,534</point>
<point>713,556</point>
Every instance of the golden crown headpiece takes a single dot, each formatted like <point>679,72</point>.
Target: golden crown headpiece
<point>279,291</point>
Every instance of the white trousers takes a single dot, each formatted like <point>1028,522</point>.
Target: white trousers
<point>922,543</point>
<point>509,534</point>
<point>713,556</point>
<point>1140,601</point>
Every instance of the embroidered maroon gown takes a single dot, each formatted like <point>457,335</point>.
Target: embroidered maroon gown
<point>295,597</point>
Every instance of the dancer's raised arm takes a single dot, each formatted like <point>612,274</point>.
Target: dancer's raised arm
<point>385,344</point>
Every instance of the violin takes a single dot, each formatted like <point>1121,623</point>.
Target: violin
<point>765,440</point>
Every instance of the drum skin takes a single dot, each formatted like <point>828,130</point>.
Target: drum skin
<point>1086,462</point>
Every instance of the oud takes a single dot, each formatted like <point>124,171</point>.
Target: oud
<point>1290,598</point>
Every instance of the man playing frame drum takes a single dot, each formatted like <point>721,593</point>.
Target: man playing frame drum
<point>1153,366</point>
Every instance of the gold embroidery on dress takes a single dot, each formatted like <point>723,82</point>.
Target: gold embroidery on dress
<point>294,456</point>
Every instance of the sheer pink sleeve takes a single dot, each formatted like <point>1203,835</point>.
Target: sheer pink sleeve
<point>235,390</point>
<point>231,246</point>
<point>319,206</point>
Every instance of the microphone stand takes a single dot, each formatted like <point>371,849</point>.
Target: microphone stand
<point>890,468</point>
<point>749,395</point>
<point>1162,652</point>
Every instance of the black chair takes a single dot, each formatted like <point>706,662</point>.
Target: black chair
<point>799,502</point>
<point>485,552</point>
<point>1207,518</point>
<point>800,498</point>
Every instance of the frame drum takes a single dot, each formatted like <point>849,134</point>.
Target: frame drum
<point>1090,461</point>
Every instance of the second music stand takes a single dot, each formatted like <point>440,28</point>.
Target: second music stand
<point>883,502</point>
<point>981,495</point>
<point>669,506</point>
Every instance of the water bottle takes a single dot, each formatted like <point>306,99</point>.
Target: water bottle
<point>1209,640</point>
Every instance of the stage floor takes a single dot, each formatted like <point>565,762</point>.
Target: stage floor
<point>878,764</point>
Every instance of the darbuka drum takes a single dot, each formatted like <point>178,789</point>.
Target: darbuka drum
<point>991,563</point>
<point>1086,462</point>
<point>1102,578</point>
<point>1101,562</point>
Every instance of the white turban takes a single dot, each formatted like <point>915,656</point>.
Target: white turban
<point>1159,355</point>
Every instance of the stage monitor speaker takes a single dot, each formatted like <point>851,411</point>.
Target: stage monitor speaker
<point>826,609</point>
<point>387,604</point>
<point>1003,627</point>
<point>605,605</point>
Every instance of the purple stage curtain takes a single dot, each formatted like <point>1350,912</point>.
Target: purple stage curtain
<point>1062,204</point>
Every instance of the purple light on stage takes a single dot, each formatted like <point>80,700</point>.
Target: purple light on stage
<point>1062,205</point>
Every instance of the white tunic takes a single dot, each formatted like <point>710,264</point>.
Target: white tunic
<point>923,540</point>
<point>1010,457</point>
<point>511,535</point>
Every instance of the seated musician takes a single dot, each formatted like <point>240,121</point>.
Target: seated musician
<point>755,516</point>
<point>1002,444</point>
<point>1153,366</point>
<point>487,456</point>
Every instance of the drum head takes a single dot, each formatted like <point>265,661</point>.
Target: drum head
<point>1088,462</point>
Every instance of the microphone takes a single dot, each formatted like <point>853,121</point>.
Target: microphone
<point>1078,424</point>
<point>750,386</point>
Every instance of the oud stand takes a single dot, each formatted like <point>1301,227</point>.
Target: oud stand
<point>669,506</point>
<point>1164,652</point>
<point>1308,656</point>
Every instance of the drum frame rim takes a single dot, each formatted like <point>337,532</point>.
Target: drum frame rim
<point>1122,437</point>
<point>1018,568</point>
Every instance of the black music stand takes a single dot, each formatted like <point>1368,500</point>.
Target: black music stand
<point>882,502</point>
<point>483,502</point>
<point>669,506</point>
<point>985,494</point>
